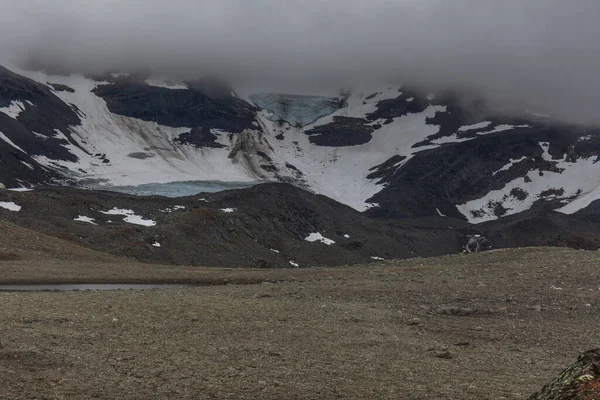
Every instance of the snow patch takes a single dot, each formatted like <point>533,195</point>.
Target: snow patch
<point>508,166</point>
<point>228,210</point>
<point>9,205</point>
<point>163,82</point>
<point>294,264</point>
<point>14,109</point>
<point>27,165</point>
<point>83,218</point>
<point>317,237</point>
<point>7,140</point>
<point>378,258</point>
<point>480,125</point>
<point>546,151</point>
<point>586,198</point>
<point>455,139</point>
<point>503,128</point>
<point>130,217</point>
<point>156,244</point>
<point>172,209</point>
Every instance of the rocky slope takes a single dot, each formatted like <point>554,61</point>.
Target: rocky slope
<point>269,225</point>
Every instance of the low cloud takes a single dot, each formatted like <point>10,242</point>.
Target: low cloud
<point>541,55</point>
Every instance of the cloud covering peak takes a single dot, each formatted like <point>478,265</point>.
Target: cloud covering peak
<point>538,54</point>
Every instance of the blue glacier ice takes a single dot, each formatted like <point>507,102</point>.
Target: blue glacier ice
<point>178,189</point>
<point>297,110</point>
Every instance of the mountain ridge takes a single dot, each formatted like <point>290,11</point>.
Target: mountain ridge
<point>391,152</point>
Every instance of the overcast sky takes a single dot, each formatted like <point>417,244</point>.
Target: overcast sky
<point>541,54</point>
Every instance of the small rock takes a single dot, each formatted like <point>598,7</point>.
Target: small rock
<point>537,308</point>
<point>414,321</point>
<point>457,311</point>
<point>462,344</point>
<point>444,354</point>
<point>478,328</point>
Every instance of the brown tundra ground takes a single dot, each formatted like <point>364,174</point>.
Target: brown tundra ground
<point>496,325</point>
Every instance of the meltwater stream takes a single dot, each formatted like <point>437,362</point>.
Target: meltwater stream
<point>87,287</point>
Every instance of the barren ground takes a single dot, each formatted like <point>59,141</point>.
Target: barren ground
<point>497,325</point>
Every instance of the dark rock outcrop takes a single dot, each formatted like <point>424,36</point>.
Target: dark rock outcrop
<point>42,128</point>
<point>580,381</point>
<point>343,131</point>
<point>191,108</point>
<point>200,137</point>
<point>399,106</point>
<point>348,131</point>
<point>543,228</point>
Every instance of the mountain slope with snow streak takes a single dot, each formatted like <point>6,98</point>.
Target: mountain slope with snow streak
<point>120,150</point>
<point>390,152</point>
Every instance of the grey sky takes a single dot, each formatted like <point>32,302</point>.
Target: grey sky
<point>541,54</point>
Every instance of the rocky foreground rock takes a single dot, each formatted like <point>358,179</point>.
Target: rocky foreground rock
<point>580,381</point>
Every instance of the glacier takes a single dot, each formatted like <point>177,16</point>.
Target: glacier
<point>178,189</point>
<point>296,110</point>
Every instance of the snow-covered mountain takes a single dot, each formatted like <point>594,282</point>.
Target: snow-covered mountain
<point>389,151</point>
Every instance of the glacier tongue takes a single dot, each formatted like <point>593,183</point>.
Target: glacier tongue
<point>296,110</point>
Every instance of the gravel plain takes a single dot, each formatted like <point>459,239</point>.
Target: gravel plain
<point>495,325</point>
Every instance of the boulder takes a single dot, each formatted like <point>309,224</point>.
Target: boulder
<point>580,381</point>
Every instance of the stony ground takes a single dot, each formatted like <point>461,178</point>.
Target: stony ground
<point>497,325</point>
<point>266,226</point>
<point>262,226</point>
